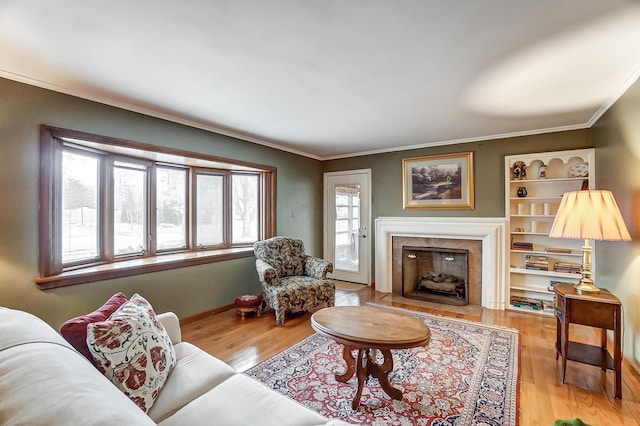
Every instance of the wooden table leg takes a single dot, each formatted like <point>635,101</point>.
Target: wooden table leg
<point>617,353</point>
<point>565,349</point>
<point>362,372</point>
<point>365,365</point>
<point>381,372</point>
<point>351,364</point>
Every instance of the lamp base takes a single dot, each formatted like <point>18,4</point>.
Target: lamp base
<point>586,288</point>
<point>586,284</point>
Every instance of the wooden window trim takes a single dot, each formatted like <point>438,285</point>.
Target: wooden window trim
<point>51,274</point>
<point>127,268</point>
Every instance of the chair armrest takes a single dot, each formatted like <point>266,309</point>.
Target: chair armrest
<point>267,273</point>
<point>317,268</point>
<point>171,324</point>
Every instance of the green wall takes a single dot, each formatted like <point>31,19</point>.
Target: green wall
<point>386,173</point>
<point>616,137</point>
<point>186,291</point>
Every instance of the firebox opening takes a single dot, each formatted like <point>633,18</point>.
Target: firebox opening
<point>435,274</point>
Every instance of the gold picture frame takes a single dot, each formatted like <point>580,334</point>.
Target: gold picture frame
<point>442,181</point>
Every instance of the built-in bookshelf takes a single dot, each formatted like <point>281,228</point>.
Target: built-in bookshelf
<point>534,185</point>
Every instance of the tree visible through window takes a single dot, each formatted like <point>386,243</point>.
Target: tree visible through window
<point>80,228</point>
<point>245,208</point>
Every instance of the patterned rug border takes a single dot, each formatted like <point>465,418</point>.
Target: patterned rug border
<point>513,412</point>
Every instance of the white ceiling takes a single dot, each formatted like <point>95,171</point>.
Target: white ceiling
<point>334,78</point>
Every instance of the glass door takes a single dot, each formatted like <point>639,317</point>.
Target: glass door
<point>347,225</point>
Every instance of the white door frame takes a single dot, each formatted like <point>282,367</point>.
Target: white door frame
<point>364,254</point>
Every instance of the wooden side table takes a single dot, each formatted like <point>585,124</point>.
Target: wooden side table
<point>601,310</point>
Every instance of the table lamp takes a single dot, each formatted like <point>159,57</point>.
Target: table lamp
<point>589,215</point>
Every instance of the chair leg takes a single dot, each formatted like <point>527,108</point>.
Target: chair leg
<point>280,312</point>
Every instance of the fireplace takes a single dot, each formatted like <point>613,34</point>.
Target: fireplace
<point>489,290</point>
<point>435,275</point>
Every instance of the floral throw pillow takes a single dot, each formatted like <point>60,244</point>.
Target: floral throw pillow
<point>133,350</point>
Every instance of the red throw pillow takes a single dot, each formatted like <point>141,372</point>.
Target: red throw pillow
<point>75,329</point>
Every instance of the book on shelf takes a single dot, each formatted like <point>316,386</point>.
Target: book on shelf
<point>567,267</point>
<point>521,245</point>
<point>526,302</point>
<point>548,305</point>
<point>557,250</point>
<point>553,284</point>
<point>538,263</point>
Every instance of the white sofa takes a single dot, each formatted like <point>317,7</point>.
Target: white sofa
<point>45,381</point>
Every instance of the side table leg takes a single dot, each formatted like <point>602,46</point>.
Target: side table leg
<point>381,372</point>
<point>617,353</point>
<point>565,348</point>
<point>351,365</point>
<point>362,373</point>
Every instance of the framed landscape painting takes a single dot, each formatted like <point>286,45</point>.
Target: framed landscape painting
<point>438,181</point>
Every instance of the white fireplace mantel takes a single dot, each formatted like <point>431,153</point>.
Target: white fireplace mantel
<point>491,231</point>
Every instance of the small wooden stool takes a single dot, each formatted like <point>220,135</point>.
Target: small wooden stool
<point>248,303</point>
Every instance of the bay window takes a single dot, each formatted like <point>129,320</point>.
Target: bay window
<point>112,208</point>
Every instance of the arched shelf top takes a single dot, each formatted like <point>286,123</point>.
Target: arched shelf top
<point>552,165</point>
<point>567,159</point>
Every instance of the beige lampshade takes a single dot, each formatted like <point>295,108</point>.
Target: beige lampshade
<point>589,214</point>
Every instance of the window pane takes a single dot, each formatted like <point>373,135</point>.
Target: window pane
<point>342,212</point>
<point>245,208</point>
<point>171,198</point>
<point>130,212</point>
<point>79,204</point>
<point>342,226</point>
<point>342,238</point>
<point>342,200</point>
<point>209,210</point>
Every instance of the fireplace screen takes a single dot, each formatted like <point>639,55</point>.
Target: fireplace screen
<point>435,274</point>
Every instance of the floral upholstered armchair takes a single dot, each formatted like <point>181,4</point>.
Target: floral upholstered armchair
<point>292,280</point>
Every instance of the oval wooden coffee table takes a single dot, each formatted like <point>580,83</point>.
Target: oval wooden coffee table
<point>368,330</point>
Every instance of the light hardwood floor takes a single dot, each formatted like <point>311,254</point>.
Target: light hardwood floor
<point>587,394</point>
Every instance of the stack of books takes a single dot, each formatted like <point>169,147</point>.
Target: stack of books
<point>526,302</point>
<point>569,267</point>
<point>552,284</point>
<point>548,305</point>
<point>521,245</point>
<point>538,263</point>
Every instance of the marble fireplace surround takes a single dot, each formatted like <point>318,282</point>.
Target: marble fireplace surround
<point>491,232</point>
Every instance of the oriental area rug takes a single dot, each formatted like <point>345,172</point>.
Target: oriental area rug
<point>466,375</point>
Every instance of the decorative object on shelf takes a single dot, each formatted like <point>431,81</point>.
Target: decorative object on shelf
<point>579,170</point>
<point>589,215</point>
<point>522,191</point>
<point>542,172</point>
<point>438,181</point>
<point>519,170</point>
